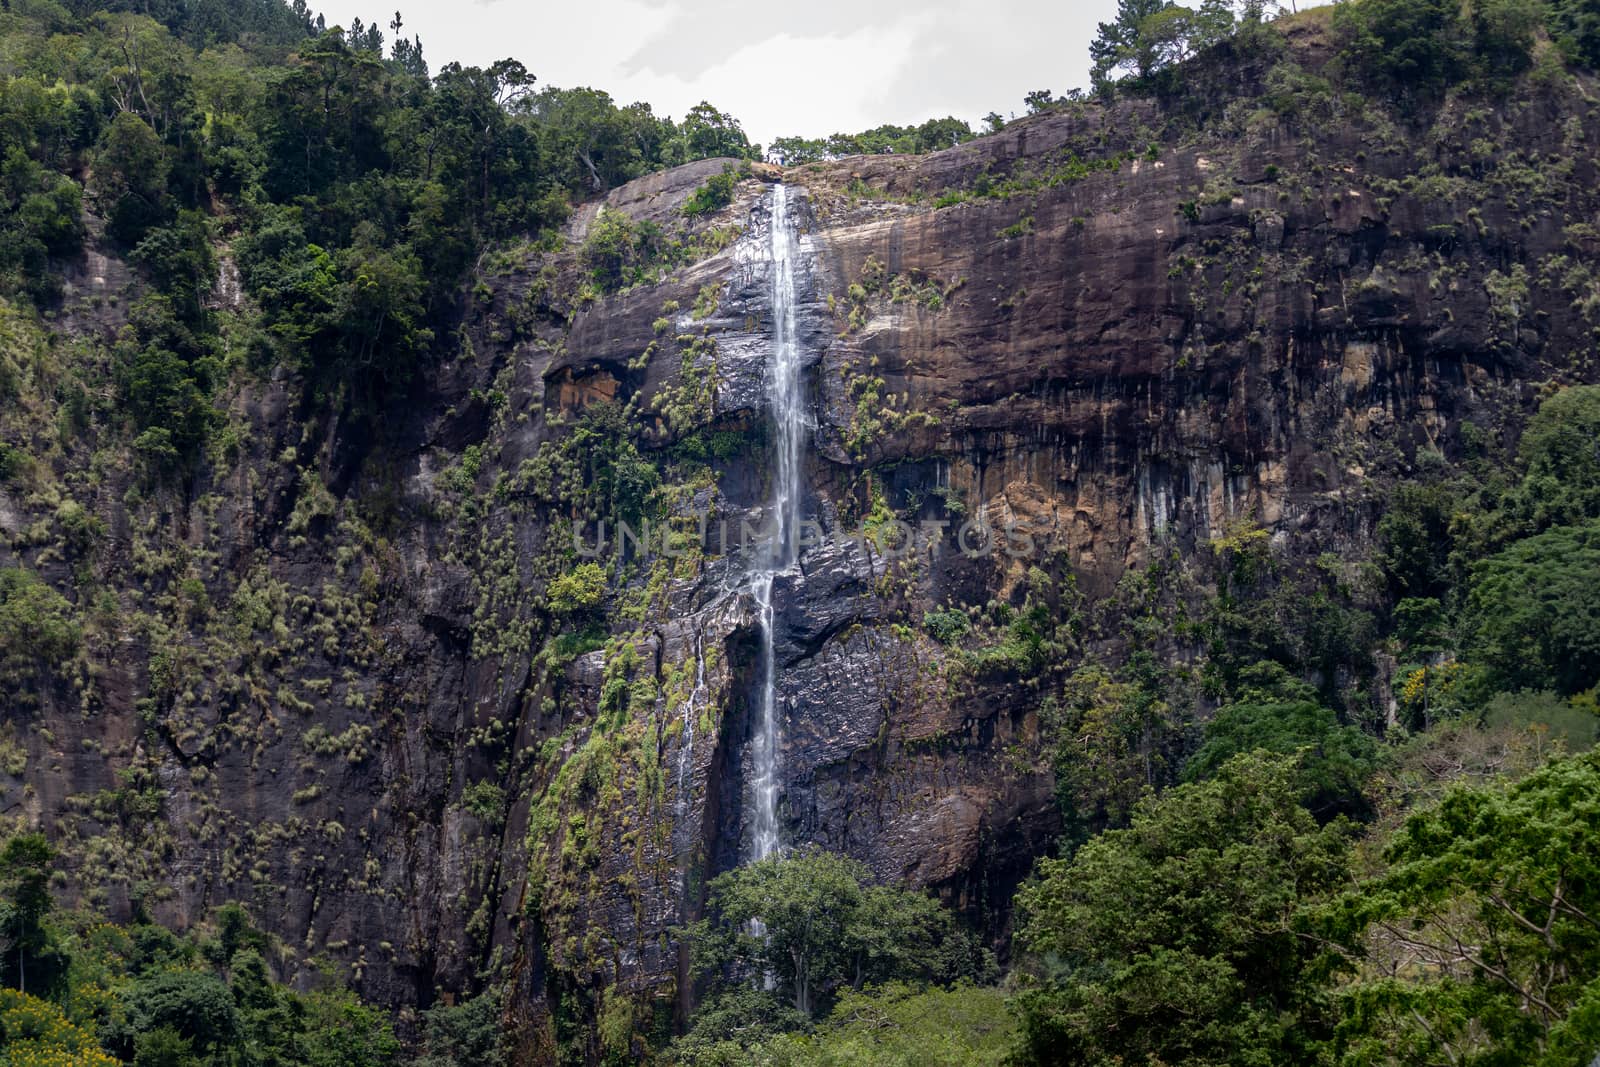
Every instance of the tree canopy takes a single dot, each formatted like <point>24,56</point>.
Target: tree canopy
<point>1176,940</point>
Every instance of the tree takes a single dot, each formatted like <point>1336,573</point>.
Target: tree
<point>1562,464</point>
<point>1150,36</point>
<point>1112,743</point>
<point>794,151</point>
<point>706,133</point>
<point>1533,612</point>
<point>470,106</point>
<point>589,143</point>
<point>468,1034</point>
<point>1177,940</point>
<point>1121,45</point>
<point>320,119</point>
<point>1481,941</point>
<point>1334,762</point>
<point>900,1025</point>
<point>1409,46</point>
<point>130,177</point>
<point>734,1020</point>
<point>197,1007</point>
<point>340,1031</point>
<point>163,1047</point>
<point>180,263</point>
<point>379,309</point>
<point>1575,27</point>
<point>164,393</point>
<point>815,922</point>
<point>1503,34</point>
<point>25,865</point>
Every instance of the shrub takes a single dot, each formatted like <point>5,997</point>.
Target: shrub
<point>947,626</point>
<point>716,193</point>
<point>36,625</point>
<point>578,590</point>
<point>617,248</point>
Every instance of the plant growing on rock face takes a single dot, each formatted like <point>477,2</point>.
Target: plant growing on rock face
<point>37,629</point>
<point>578,590</point>
<point>687,402</point>
<point>948,626</point>
<point>716,193</point>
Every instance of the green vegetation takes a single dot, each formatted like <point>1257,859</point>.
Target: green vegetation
<point>716,193</point>
<point>82,991</point>
<point>1278,714</point>
<point>825,929</point>
<point>357,191</point>
<point>621,253</point>
<point>930,136</point>
<point>1532,619</point>
<point>900,1025</point>
<point>1315,807</point>
<point>580,589</point>
<point>1173,940</point>
<point>38,631</point>
<point>948,626</point>
<point>1420,48</point>
<point>1478,942</point>
<point>1151,36</point>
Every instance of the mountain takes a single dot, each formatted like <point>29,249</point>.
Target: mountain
<point>328,400</point>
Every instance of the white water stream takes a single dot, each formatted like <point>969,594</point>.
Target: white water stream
<point>779,552</point>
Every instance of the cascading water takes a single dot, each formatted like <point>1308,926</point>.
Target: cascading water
<point>778,553</point>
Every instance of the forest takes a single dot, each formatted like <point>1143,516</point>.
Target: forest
<point>1260,860</point>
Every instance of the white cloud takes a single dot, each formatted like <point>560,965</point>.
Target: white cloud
<point>813,68</point>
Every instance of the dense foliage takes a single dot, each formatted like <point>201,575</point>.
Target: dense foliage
<point>815,925</point>
<point>84,991</point>
<point>88,992</point>
<point>1175,939</point>
<point>1351,823</point>
<point>929,136</point>
<point>356,190</point>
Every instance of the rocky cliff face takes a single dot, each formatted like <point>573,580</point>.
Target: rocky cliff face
<point>328,676</point>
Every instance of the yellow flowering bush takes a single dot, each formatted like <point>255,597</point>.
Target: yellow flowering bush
<point>36,1033</point>
<point>1428,694</point>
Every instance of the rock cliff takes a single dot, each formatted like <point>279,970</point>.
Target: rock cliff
<point>331,675</point>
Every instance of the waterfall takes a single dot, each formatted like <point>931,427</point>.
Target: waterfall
<point>778,551</point>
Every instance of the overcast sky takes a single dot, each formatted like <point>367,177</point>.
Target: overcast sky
<point>811,67</point>
<point>807,67</point>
